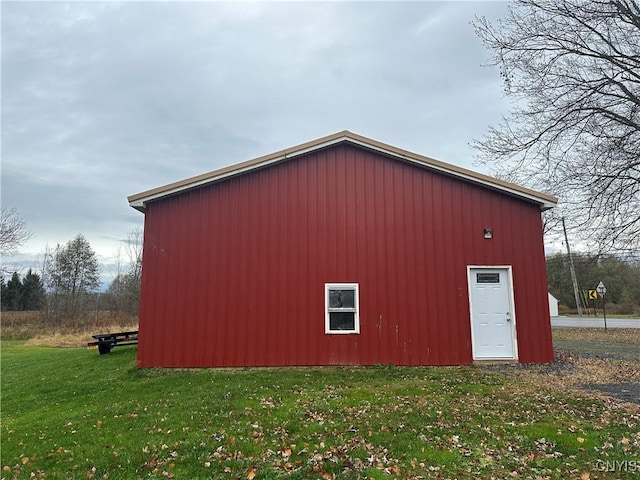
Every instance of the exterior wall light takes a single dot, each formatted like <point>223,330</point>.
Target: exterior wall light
<point>488,233</point>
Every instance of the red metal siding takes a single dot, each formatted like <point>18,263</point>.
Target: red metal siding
<point>234,272</point>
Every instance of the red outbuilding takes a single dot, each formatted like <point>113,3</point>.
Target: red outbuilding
<point>342,251</point>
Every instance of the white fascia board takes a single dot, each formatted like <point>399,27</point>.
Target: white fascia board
<point>545,205</point>
<point>139,204</point>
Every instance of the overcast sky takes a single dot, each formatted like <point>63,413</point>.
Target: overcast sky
<point>104,100</point>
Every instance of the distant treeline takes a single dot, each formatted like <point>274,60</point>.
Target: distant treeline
<point>67,288</point>
<point>620,276</point>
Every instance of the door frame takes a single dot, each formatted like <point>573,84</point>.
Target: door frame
<point>512,309</point>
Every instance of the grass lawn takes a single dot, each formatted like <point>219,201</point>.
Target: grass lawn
<point>73,414</point>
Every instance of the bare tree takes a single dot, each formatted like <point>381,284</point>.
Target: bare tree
<point>13,232</point>
<point>124,290</point>
<point>133,244</point>
<point>572,68</point>
<point>73,275</point>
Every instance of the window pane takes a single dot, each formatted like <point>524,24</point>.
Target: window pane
<point>342,299</point>
<point>342,321</point>
<point>488,277</point>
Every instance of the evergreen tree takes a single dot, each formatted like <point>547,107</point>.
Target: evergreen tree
<point>3,294</point>
<point>12,295</point>
<point>33,292</point>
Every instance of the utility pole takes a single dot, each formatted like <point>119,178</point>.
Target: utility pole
<point>573,271</point>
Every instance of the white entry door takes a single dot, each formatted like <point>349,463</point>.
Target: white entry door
<point>492,319</point>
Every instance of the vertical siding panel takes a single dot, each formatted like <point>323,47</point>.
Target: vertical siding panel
<point>448,285</point>
<point>366,259</point>
<point>411,323</point>
<point>203,285</point>
<point>458,271</point>
<point>420,266</point>
<point>227,264</point>
<point>430,271</point>
<point>337,218</point>
<point>471,234</point>
<point>171,328</point>
<point>272,345</point>
<point>289,292</point>
<point>192,322</point>
<point>440,313</point>
<point>369,301</point>
<point>278,216</point>
<point>242,298</point>
<point>302,207</point>
<point>478,244</point>
<point>250,286</point>
<point>377,253</point>
<point>324,260</point>
<point>214,287</point>
<point>226,321</point>
<point>510,230</point>
<point>402,283</point>
<point>313,283</point>
<point>164,319</point>
<point>391,240</point>
<point>383,250</point>
<point>263,274</point>
<point>351,245</point>
<point>526,297</point>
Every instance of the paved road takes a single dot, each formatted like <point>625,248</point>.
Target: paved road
<point>595,322</point>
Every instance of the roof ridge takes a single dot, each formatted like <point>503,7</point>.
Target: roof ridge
<point>139,200</point>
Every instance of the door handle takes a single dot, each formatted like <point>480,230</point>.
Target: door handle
<point>508,318</point>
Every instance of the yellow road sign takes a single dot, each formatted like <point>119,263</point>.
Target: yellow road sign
<point>593,294</point>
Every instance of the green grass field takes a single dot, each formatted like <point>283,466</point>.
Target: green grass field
<point>73,414</point>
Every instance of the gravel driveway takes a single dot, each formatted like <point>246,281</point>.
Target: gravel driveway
<point>626,391</point>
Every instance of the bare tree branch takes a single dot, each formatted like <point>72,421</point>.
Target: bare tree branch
<point>13,232</point>
<point>573,71</point>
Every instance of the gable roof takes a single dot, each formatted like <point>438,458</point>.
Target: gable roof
<point>139,200</point>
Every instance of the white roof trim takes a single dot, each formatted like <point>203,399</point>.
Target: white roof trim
<point>545,201</point>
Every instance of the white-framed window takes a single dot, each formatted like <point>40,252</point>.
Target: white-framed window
<point>341,308</point>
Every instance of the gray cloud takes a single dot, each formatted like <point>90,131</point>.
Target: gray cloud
<point>103,100</point>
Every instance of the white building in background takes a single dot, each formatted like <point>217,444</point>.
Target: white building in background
<point>553,306</point>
